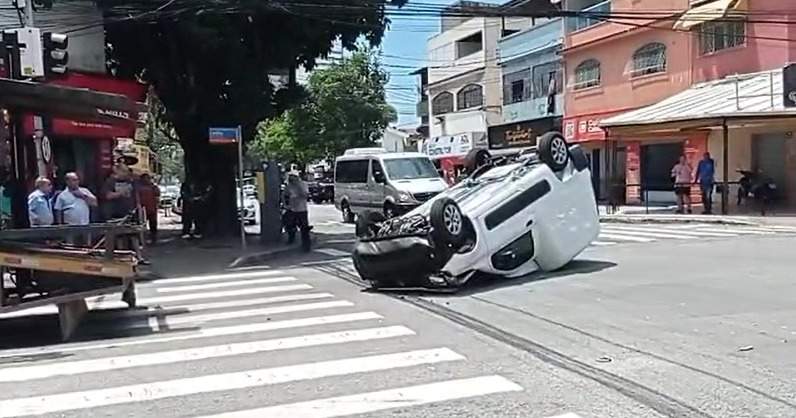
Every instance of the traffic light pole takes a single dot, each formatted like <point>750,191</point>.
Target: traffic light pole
<point>28,13</point>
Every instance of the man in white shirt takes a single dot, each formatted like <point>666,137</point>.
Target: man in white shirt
<point>73,204</point>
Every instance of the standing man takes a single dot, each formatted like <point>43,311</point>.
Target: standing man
<point>149,196</point>
<point>683,178</point>
<point>119,193</point>
<point>297,193</point>
<point>706,176</point>
<point>40,211</point>
<point>73,204</point>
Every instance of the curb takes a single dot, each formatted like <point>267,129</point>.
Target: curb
<point>262,256</point>
<point>670,219</point>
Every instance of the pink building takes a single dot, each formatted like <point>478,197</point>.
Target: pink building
<point>615,66</point>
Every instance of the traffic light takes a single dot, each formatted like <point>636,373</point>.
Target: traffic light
<point>55,54</point>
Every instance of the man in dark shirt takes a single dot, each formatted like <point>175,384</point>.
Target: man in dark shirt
<point>119,193</point>
<point>705,175</point>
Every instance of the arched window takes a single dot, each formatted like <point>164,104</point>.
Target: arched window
<point>442,103</point>
<point>470,96</point>
<point>649,59</point>
<point>587,74</point>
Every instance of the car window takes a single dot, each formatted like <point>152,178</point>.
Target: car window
<point>410,168</point>
<point>355,171</point>
<point>378,171</point>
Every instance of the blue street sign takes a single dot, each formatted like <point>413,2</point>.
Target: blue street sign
<point>223,135</point>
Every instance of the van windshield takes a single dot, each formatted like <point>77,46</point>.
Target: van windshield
<point>410,168</point>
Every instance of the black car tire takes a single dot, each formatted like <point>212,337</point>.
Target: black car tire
<point>579,157</point>
<point>554,151</point>
<point>447,223</point>
<point>367,223</point>
<point>476,159</point>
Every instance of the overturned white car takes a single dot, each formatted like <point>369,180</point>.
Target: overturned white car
<point>537,212</point>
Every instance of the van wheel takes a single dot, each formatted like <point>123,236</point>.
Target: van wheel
<point>448,224</point>
<point>348,216</point>
<point>553,150</point>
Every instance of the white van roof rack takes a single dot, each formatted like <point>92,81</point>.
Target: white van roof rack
<point>365,151</point>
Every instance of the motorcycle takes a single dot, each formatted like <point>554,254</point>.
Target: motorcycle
<point>761,187</point>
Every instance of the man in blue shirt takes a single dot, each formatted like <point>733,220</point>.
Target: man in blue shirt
<point>40,210</point>
<point>705,175</point>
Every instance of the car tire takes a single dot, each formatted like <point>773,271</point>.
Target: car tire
<point>390,210</point>
<point>348,215</point>
<point>476,159</point>
<point>366,223</point>
<point>554,151</point>
<point>447,223</point>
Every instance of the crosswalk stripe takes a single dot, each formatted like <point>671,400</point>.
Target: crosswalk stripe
<point>247,313</point>
<point>202,333</point>
<point>781,228</point>
<point>213,277</point>
<point>332,252</point>
<point>623,237</point>
<point>602,243</point>
<point>740,231</point>
<point>569,415</point>
<point>383,400</point>
<point>647,234</point>
<point>38,405</point>
<point>71,368</point>
<point>678,232</point>
<point>224,294</point>
<point>221,285</point>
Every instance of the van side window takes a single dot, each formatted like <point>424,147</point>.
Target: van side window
<point>378,172</point>
<point>355,171</point>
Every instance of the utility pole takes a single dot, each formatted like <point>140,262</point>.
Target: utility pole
<point>29,13</point>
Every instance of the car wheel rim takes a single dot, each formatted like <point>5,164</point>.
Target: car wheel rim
<point>559,151</point>
<point>453,220</point>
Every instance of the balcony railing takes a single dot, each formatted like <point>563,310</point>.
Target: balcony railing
<point>583,22</point>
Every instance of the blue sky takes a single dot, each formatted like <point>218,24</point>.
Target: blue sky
<point>404,48</point>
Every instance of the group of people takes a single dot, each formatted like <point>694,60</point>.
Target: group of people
<point>684,176</point>
<point>121,196</point>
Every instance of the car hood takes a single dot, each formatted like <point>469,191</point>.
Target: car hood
<point>432,185</point>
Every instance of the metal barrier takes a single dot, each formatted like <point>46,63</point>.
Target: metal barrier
<point>617,194</point>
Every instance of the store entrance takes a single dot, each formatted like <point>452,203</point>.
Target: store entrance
<point>657,161</point>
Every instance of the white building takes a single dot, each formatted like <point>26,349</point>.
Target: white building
<point>394,140</point>
<point>464,80</point>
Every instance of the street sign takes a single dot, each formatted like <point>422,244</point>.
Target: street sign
<point>223,136</point>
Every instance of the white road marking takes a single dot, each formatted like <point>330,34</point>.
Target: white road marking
<point>569,415</point>
<point>224,294</point>
<point>602,243</point>
<point>678,232</point>
<point>202,333</point>
<point>340,241</point>
<point>38,405</point>
<point>221,285</point>
<point>332,252</point>
<point>781,228</point>
<point>647,233</point>
<point>622,237</point>
<point>739,231</point>
<point>213,277</point>
<point>218,316</point>
<point>383,400</point>
<point>72,368</point>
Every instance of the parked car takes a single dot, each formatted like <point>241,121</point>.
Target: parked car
<point>321,190</point>
<point>536,212</point>
<point>392,183</point>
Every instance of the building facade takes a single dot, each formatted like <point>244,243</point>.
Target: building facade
<point>532,84</point>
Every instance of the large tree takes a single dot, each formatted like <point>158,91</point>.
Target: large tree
<point>346,108</point>
<point>210,62</point>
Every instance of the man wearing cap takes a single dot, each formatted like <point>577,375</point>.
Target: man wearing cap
<point>297,193</point>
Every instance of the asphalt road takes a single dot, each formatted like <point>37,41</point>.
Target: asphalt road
<point>667,326</point>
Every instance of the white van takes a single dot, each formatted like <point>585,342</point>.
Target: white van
<point>394,183</point>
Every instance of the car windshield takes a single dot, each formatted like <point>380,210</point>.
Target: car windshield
<point>410,168</point>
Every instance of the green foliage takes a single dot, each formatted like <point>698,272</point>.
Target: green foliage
<point>162,139</point>
<point>346,108</point>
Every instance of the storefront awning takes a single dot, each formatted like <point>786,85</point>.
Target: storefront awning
<point>79,103</point>
<point>745,96</point>
<point>708,12</point>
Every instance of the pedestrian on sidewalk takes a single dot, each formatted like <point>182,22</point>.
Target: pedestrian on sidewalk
<point>297,194</point>
<point>40,208</point>
<point>705,175</point>
<point>682,173</point>
<point>149,196</point>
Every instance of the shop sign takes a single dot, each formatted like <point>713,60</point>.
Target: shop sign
<point>120,114</point>
<point>46,150</point>
<point>521,134</point>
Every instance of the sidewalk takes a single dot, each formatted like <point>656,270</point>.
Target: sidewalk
<point>665,214</point>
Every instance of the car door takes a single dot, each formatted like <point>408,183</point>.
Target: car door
<point>360,196</point>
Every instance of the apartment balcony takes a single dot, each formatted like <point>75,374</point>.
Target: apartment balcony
<point>530,41</point>
<point>578,23</point>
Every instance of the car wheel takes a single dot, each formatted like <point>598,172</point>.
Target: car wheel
<point>447,222</point>
<point>348,216</point>
<point>476,159</point>
<point>367,223</point>
<point>389,211</point>
<point>554,151</point>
